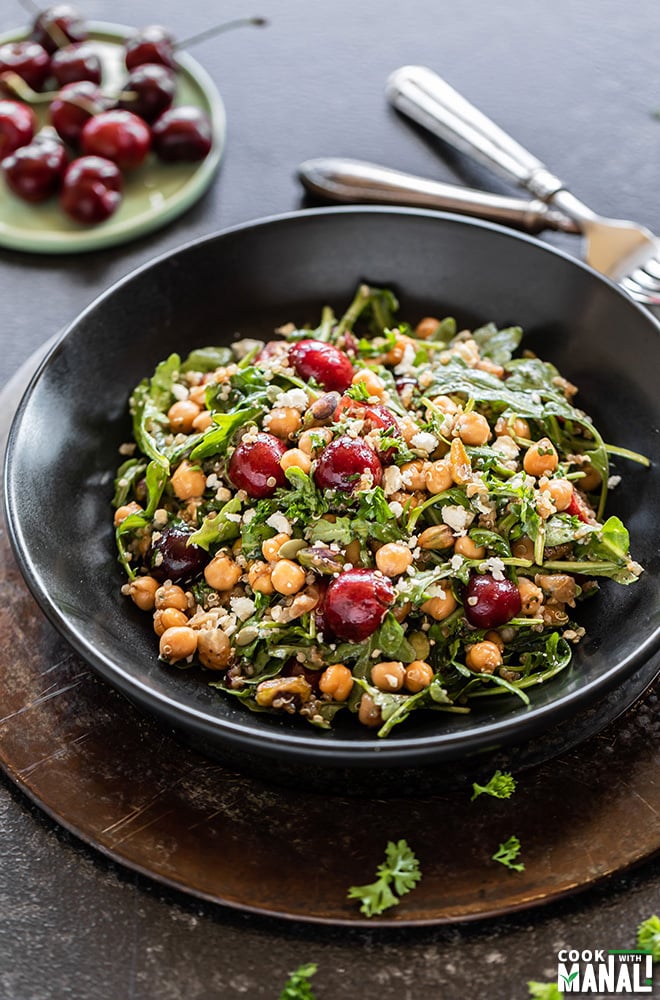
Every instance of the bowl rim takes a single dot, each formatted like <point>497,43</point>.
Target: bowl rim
<point>289,744</point>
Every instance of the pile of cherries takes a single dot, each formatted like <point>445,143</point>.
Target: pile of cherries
<point>94,137</point>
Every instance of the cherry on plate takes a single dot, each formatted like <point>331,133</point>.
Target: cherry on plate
<point>172,558</point>
<point>73,107</point>
<point>91,189</point>
<point>152,88</point>
<point>76,62</point>
<point>342,463</point>
<point>34,172</point>
<point>356,602</point>
<point>28,60</point>
<point>153,44</point>
<point>58,26</point>
<point>18,123</point>
<point>330,367</point>
<point>182,135</point>
<point>490,603</point>
<point>255,466</point>
<point>119,136</point>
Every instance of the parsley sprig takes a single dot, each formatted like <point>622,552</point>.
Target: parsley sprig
<point>399,873</point>
<point>502,785</point>
<point>507,853</point>
<point>298,986</point>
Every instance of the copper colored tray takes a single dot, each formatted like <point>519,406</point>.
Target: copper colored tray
<point>124,785</point>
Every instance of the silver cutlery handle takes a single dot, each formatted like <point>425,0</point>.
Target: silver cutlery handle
<point>348,180</point>
<point>422,95</point>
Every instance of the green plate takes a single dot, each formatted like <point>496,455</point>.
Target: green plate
<point>154,194</point>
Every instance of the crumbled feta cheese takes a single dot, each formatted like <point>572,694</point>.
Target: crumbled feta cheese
<point>179,391</point>
<point>458,518</point>
<point>392,481</point>
<point>613,481</point>
<point>280,523</point>
<point>296,398</point>
<point>456,562</point>
<point>424,441</point>
<point>407,362</point>
<point>212,481</point>
<point>506,447</point>
<point>243,607</point>
<point>494,566</point>
<point>234,517</point>
<point>396,508</point>
<point>248,515</point>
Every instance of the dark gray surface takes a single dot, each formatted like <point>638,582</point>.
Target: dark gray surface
<point>577,83</point>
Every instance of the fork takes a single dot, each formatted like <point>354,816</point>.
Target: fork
<point>626,252</point>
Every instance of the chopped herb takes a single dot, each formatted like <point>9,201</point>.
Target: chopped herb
<point>648,936</point>
<point>502,785</point>
<point>507,853</point>
<point>298,986</point>
<point>398,874</point>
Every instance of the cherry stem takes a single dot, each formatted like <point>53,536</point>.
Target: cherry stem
<point>241,22</point>
<point>23,90</point>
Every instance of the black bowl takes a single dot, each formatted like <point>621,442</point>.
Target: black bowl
<point>63,445</point>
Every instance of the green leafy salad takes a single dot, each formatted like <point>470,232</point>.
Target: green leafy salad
<point>366,516</point>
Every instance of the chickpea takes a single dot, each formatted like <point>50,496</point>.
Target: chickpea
<point>408,427</point>
<point>283,421</point>
<point>439,477</point>
<point>202,421</point>
<point>464,546</point>
<point>336,681</point>
<point>312,441</point>
<point>531,596</point>
<point>401,611</point>
<point>446,405</point>
<point>125,511</point>
<point>388,676</point>
<point>395,355</point>
<point>442,606</point>
<point>222,573</point>
<point>541,458</point>
<point>287,577</point>
<point>213,648</point>
<point>165,618</point>
<point>271,547</point>
<point>472,428</point>
<point>259,578</point>
<point>297,458</point>
<point>414,474</point>
<point>369,713</point>
<point>178,643</point>
<point>438,536</point>
<point>496,638</point>
<point>181,415</point>
<point>561,492</point>
<point>419,675</point>
<point>170,595</point>
<point>523,548</point>
<point>373,383</point>
<point>426,327</point>
<point>516,428</point>
<point>142,592</point>
<point>393,558</point>
<point>484,657</point>
<point>188,481</point>
<point>591,480</point>
<point>198,395</point>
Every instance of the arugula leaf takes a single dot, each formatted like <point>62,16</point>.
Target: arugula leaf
<point>648,936</point>
<point>298,986</point>
<point>502,785</point>
<point>444,331</point>
<point>207,359</point>
<point>149,404</point>
<point>391,639</point>
<point>303,500</point>
<point>400,870</point>
<point>217,438</point>
<point>507,853</point>
<point>217,527</point>
<point>128,474</point>
<point>498,345</point>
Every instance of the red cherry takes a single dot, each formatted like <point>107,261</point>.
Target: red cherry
<point>91,189</point>
<point>490,602</point>
<point>76,62</point>
<point>28,60</point>
<point>34,172</point>
<point>343,461</point>
<point>330,367</point>
<point>152,88</point>
<point>73,107</point>
<point>58,26</point>
<point>578,507</point>
<point>182,135</point>
<point>119,136</point>
<point>18,123</point>
<point>255,466</point>
<point>172,558</point>
<point>152,44</point>
<point>356,603</point>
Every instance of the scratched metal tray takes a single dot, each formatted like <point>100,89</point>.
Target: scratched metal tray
<point>129,788</point>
